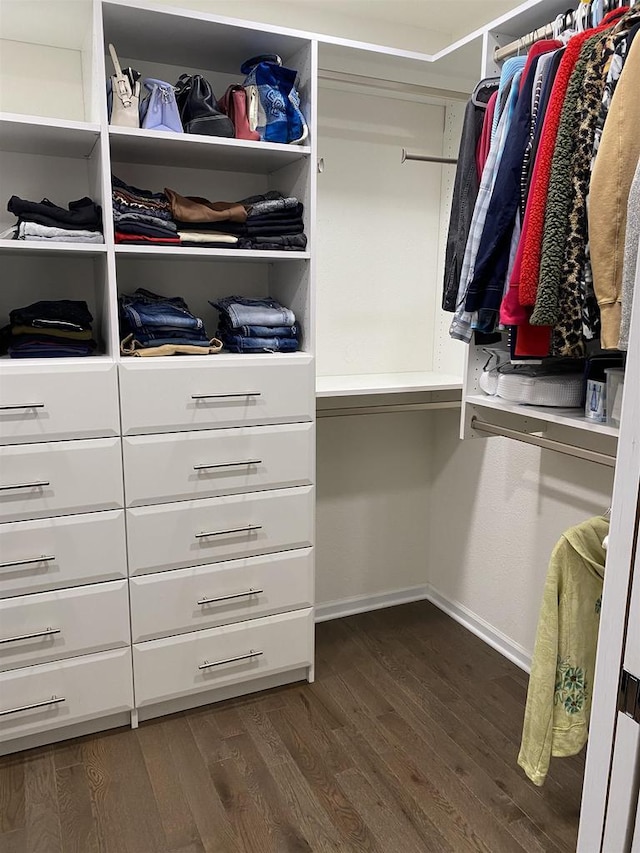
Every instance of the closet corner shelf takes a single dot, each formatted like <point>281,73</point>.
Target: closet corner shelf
<point>385,383</point>
<point>25,134</point>
<point>194,254</point>
<point>165,148</point>
<point>561,417</point>
<point>48,247</point>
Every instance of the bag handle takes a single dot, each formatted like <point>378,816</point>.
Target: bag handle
<point>273,58</point>
<point>116,61</point>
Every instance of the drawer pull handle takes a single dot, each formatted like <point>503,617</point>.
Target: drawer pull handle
<point>248,529</point>
<point>37,484</point>
<point>228,464</point>
<point>12,407</point>
<point>48,632</point>
<point>29,562</point>
<point>233,595</point>
<point>53,701</point>
<point>251,654</point>
<point>225,396</point>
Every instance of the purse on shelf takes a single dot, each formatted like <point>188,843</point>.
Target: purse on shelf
<point>273,100</point>
<point>234,104</point>
<point>159,111</point>
<point>125,95</point>
<point>199,110</point>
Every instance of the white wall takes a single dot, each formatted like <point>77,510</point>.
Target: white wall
<point>497,509</point>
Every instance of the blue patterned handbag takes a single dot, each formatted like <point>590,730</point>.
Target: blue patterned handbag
<point>273,100</point>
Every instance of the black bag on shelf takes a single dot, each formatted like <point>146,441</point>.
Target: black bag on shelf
<point>199,110</point>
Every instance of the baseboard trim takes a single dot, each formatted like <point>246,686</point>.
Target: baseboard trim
<point>461,614</point>
<point>365,603</point>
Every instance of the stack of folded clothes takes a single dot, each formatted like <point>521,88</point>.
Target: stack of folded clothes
<point>44,220</point>
<point>141,217</point>
<point>269,221</point>
<point>49,329</point>
<point>256,325</point>
<point>154,325</point>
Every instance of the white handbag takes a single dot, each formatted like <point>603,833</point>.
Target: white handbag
<point>126,101</point>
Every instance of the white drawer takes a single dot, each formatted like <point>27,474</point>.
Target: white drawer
<point>60,478</point>
<point>52,695</point>
<point>51,626</point>
<point>206,463</point>
<point>223,392</point>
<point>204,660</point>
<point>45,403</point>
<point>192,533</point>
<point>51,553</point>
<point>203,597</point>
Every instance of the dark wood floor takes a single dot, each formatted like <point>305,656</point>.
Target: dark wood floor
<point>406,742</point>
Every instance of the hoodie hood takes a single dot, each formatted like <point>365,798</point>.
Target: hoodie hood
<point>586,539</point>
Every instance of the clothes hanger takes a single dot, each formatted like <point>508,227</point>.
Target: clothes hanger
<point>487,83</point>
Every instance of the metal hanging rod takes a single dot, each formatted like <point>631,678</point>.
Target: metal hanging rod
<point>426,158</point>
<point>570,18</point>
<point>545,443</point>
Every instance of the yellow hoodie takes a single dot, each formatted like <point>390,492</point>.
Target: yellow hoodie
<point>556,720</point>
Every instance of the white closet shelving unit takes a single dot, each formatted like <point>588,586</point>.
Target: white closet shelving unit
<point>157,518</point>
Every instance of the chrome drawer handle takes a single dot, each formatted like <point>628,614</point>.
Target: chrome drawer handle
<point>48,632</point>
<point>225,396</point>
<point>53,701</point>
<point>247,529</point>
<point>248,656</point>
<point>12,407</point>
<point>204,601</point>
<point>37,484</point>
<point>28,562</point>
<point>228,464</point>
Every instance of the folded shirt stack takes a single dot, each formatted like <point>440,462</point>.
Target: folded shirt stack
<point>43,220</point>
<point>269,221</point>
<point>141,216</point>
<point>154,325</point>
<point>256,325</point>
<point>50,329</point>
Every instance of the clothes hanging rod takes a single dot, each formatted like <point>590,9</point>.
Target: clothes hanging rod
<point>570,18</point>
<point>426,158</point>
<point>386,409</point>
<point>545,443</point>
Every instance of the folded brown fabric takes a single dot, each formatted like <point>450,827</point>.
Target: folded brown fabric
<point>196,209</point>
<point>130,346</point>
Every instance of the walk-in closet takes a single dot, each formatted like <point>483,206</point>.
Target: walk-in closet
<point>310,317</point>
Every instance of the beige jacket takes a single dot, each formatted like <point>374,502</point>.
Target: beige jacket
<point>556,720</point>
<point>609,192</point>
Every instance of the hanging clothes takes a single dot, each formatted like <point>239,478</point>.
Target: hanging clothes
<point>631,243</point>
<point>613,174</point>
<point>558,708</point>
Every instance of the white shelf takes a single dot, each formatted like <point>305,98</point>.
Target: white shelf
<point>53,137</point>
<point>385,383</point>
<point>7,361</point>
<point>165,148</point>
<point>191,253</point>
<point>573,418</point>
<point>35,247</point>
<point>248,359</point>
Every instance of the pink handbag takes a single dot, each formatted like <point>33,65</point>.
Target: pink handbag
<point>234,104</point>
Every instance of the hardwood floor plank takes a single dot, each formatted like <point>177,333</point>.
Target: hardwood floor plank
<point>78,829</point>
<point>12,806</point>
<point>122,795</point>
<point>339,809</point>
<point>13,842</point>
<point>178,824</point>
<point>303,714</point>
<point>215,830</point>
<point>67,753</point>
<point>264,792</point>
<point>266,738</point>
<point>42,818</point>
